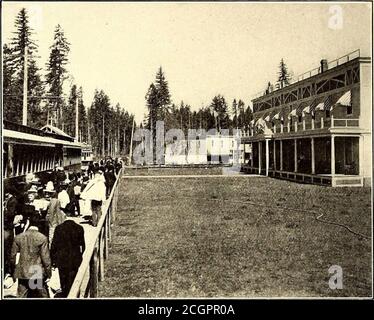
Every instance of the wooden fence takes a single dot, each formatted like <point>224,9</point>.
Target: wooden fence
<point>91,270</point>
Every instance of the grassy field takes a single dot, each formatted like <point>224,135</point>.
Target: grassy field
<point>236,237</point>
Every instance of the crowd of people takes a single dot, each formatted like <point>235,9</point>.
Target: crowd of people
<point>38,233</point>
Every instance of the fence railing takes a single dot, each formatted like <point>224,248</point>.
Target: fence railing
<point>310,73</point>
<point>91,270</point>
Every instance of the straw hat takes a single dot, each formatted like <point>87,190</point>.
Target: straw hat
<point>49,187</point>
<point>33,189</point>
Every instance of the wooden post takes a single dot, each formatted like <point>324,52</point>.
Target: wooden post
<point>295,154</point>
<point>101,254</point>
<point>24,102</point>
<point>106,228</point>
<point>252,155</point>
<point>94,277</point>
<point>259,156</point>
<point>274,155</point>
<point>103,142</point>
<point>110,226</point>
<point>332,155</point>
<point>132,136</point>
<point>313,156</point>
<point>76,118</point>
<point>266,157</point>
<point>281,154</point>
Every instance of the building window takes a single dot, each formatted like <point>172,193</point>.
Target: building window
<point>349,109</point>
<point>300,118</point>
<point>327,113</point>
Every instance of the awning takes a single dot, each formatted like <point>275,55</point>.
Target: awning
<point>307,109</point>
<point>292,114</point>
<point>345,99</point>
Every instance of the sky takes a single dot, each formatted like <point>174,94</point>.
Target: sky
<point>205,49</point>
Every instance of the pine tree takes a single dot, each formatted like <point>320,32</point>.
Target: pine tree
<point>219,108</point>
<point>14,57</point>
<point>82,117</point>
<point>12,99</point>
<point>284,77</point>
<point>57,72</point>
<point>163,94</point>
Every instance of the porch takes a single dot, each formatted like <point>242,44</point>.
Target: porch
<point>332,160</point>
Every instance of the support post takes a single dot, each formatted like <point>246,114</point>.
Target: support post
<point>295,154</point>
<point>281,154</point>
<point>101,255</point>
<point>24,102</point>
<point>332,155</point>
<point>252,154</point>
<point>259,156</point>
<point>274,155</point>
<point>76,117</point>
<point>313,156</point>
<point>266,157</point>
<point>94,275</point>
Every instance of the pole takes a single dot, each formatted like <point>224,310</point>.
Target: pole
<point>76,119</point>
<point>132,135</point>
<point>103,151</point>
<point>24,105</point>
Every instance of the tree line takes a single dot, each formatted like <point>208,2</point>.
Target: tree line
<point>219,114</point>
<point>103,125</point>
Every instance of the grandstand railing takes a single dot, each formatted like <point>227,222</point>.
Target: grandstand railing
<point>91,270</point>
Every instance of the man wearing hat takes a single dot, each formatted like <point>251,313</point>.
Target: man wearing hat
<point>55,215</point>
<point>34,266</point>
<point>95,191</point>
<point>10,212</point>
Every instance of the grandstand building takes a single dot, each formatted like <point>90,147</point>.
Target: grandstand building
<point>318,128</point>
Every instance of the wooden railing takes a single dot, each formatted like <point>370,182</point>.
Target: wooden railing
<point>91,270</point>
<point>310,73</point>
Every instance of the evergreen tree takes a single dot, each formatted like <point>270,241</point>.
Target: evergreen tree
<point>12,99</point>
<point>14,57</point>
<point>219,108</point>
<point>163,95</point>
<point>57,72</point>
<point>82,117</point>
<point>284,77</point>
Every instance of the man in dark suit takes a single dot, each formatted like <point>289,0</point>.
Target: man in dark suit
<point>34,266</point>
<point>66,251</point>
<point>10,211</point>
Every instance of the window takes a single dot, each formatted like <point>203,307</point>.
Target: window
<point>300,118</point>
<point>327,113</point>
<point>349,109</point>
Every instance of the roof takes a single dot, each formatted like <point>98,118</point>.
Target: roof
<point>27,138</point>
<point>50,128</point>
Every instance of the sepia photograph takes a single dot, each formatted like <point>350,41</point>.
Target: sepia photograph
<point>186,150</point>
